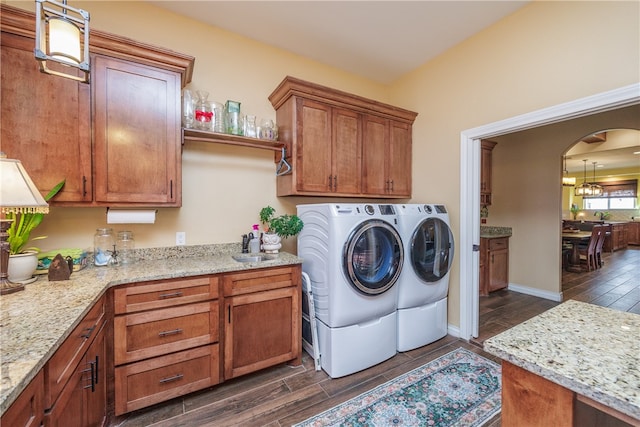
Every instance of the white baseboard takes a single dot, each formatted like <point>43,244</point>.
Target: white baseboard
<point>553,296</point>
<point>454,331</point>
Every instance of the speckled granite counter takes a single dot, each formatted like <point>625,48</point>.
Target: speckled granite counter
<point>34,322</point>
<point>591,350</point>
<point>492,232</point>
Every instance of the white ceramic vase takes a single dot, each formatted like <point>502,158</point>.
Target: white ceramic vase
<point>22,266</point>
<point>271,243</point>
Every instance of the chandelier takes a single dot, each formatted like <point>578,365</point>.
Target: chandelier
<point>584,189</point>
<point>567,181</point>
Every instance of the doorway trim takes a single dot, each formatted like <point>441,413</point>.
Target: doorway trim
<point>470,182</point>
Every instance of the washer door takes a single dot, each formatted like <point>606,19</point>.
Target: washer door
<point>373,257</point>
<point>432,250</point>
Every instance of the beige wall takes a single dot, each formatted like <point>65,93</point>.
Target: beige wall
<point>544,54</point>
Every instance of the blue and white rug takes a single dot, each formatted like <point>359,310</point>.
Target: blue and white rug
<point>460,388</point>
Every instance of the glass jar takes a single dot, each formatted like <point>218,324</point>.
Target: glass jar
<point>218,116</point>
<point>204,115</point>
<point>103,246</point>
<point>125,246</point>
<point>187,109</point>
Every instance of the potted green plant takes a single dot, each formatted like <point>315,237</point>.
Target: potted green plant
<point>574,210</point>
<point>23,260</point>
<point>277,228</point>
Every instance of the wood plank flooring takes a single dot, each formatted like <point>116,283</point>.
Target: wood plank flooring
<point>285,395</point>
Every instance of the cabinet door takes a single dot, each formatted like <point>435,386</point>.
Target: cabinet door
<point>374,155</point>
<point>83,400</point>
<point>498,264</point>
<point>399,159</point>
<point>137,144</point>
<point>314,147</point>
<point>346,151</point>
<point>260,330</point>
<point>45,122</point>
<point>486,165</point>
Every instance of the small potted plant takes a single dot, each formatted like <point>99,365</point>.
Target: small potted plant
<point>277,228</point>
<point>23,260</point>
<point>574,210</point>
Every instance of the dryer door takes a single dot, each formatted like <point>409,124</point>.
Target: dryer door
<point>432,250</point>
<point>373,257</point>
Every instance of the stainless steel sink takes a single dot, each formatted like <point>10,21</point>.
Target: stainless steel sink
<point>252,257</point>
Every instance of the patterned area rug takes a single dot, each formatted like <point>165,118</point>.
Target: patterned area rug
<point>460,388</point>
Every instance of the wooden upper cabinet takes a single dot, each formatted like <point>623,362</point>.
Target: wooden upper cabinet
<point>341,144</point>
<point>116,141</point>
<point>486,166</point>
<point>46,122</point>
<point>137,143</point>
<point>386,157</point>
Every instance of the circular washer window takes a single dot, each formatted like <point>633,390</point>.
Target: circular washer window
<point>373,257</point>
<point>432,250</point>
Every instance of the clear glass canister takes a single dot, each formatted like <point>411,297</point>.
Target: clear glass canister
<point>103,245</point>
<point>126,245</point>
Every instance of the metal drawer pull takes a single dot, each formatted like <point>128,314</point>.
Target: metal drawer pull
<point>173,332</point>
<point>88,333</point>
<point>170,379</point>
<point>171,295</point>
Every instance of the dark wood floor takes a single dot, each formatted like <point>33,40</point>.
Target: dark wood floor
<point>284,395</point>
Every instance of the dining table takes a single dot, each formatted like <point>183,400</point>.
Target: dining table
<point>575,238</point>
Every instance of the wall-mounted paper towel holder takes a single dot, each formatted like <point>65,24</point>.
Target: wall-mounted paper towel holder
<point>131,216</point>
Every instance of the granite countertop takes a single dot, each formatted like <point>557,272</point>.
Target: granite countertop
<point>591,350</point>
<point>34,322</point>
<point>493,232</point>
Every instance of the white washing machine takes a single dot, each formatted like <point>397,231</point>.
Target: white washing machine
<point>423,285</point>
<point>353,255</point>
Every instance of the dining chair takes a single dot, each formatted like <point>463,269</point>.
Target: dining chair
<point>588,253</point>
<point>600,243</point>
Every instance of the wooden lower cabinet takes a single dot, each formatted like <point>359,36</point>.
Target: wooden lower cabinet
<point>494,264</point>
<point>166,337</point>
<point>633,233</point>
<point>83,400</point>
<point>28,408</point>
<point>162,378</point>
<point>262,319</point>
<point>619,236</point>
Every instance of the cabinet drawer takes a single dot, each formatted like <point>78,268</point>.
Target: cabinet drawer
<point>28,408</point>
<point>501,243</point>
<point>168,293</point>
<point>144,383</point>
<point>261,280</point>
<point>143,335</point>
<point>63,363</point>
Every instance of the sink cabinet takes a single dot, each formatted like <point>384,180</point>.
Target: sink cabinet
<point>633,229</point>
<point>166,340</point>
<point>341,144</point>
<point>262,319</point>
<point>128,152</point>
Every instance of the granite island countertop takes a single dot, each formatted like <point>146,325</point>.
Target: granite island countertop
<point>34,322</point>
<point>591,350</point>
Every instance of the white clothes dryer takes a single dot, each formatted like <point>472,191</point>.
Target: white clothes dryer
<point>353,256</point>
<point>423,285</point>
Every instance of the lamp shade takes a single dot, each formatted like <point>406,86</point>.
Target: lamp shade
<point>64,40</point>
<point>18,193</point>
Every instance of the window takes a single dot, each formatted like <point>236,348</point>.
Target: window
<point>615,195</point>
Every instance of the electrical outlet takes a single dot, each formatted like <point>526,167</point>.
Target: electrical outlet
<point>181,238</point>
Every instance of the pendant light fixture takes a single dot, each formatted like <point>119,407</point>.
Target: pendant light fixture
<point>596,190</point>
<point>584,189</point>
<point>62,36</point>
<point>567,181</point>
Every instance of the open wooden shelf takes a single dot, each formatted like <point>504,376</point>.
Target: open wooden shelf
<point>223,138</point>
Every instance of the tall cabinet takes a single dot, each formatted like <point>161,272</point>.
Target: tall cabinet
<point>341,144</point>
<point>115,141</point>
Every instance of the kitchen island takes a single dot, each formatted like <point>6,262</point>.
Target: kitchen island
<point>573,355</point>
<point>35,322</point>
